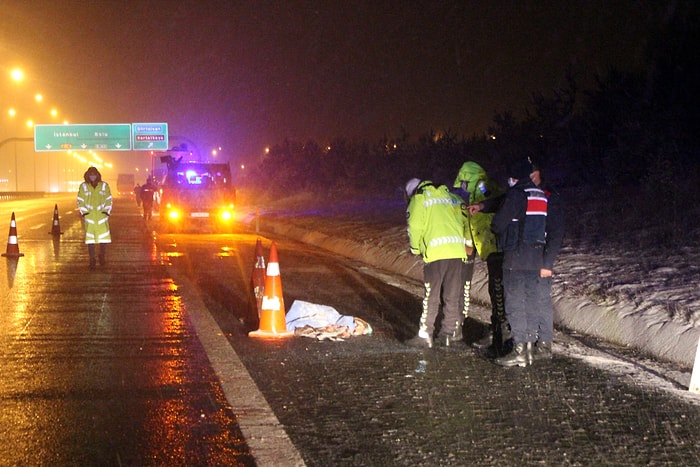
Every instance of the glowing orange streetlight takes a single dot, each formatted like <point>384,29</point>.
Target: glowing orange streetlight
<point>17,75</point>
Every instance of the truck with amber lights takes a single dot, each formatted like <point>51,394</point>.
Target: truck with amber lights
<point>196,195</point>
<point>125,185</point>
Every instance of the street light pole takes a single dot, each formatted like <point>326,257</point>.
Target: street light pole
<point>16,177</point>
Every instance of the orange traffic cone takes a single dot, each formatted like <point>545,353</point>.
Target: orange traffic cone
<point>272,322</point>
<point>12,246</point>
<point>258,279</point>
<point>56,227</point>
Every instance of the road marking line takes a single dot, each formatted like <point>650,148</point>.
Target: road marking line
<point>263,432</point>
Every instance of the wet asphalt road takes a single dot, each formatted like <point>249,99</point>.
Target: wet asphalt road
<point>105,368</point>
<point>373,401</point>
<point>102,368</point>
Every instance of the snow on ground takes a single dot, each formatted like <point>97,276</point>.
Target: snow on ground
<point>642,299</point>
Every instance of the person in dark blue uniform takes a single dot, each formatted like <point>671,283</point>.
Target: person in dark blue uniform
<point>530,232</point>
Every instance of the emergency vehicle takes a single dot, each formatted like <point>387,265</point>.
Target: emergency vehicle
<point>195,195</point>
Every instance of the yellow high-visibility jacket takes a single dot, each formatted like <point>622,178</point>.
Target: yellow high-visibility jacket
<point>435,224</point>
<point>95,205</point>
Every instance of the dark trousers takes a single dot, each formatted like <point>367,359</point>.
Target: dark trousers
<point>91,249</point>
<point>494,264</point>
<point>148,210</point>
<point>523,298</point>
<point>444,284</point>
<point>544,316</point>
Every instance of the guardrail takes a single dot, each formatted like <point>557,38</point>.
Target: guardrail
<point>13,195</point>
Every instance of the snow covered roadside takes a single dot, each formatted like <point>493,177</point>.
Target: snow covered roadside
<point>379,239</point>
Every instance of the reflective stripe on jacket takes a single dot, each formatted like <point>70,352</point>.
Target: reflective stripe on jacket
<point>95,205</point>
<point>435,223</point>
<point>519,225</point>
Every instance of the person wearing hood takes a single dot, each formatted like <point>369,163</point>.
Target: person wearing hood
<point>148,191</point>
<point>528,224</point>
<point>436,232</point>
<point>95,206</point>
<point>473,185</point>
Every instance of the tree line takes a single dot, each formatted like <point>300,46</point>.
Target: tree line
<point>632,140</point>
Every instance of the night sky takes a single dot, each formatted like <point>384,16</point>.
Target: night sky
<point>245,75</point>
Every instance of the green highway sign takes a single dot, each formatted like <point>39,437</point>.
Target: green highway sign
<point>150,136</point>
<point>106,137</point>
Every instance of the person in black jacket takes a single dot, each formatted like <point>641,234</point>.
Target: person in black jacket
<point>530,232</point>
<point>148,190</point>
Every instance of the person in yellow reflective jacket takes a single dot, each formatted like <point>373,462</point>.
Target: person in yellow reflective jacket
<point>473,185</point>
<point>95,206</point>
<point>436,232</point>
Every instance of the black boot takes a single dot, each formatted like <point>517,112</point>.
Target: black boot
<point>498,338</point>
<point>542,351</point>
<point>456,339</point>
<point>520,356</point>
<point>92,262</point>
<point>483,343</point>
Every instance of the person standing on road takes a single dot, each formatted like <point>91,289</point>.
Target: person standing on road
<point>95,206</point>
<point>147,192</point>
<point>436,232</point>
<point>554,236</point>
<point>521,225</point>
<point>137,194</point>
<point>473,185</point>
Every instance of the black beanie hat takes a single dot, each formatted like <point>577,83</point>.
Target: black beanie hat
<point>522,168</point>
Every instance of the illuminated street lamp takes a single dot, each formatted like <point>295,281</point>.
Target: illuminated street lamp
<point>22,118</point>
<point>17,75</point>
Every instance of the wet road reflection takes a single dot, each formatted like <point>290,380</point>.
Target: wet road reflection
<point>103,367</point>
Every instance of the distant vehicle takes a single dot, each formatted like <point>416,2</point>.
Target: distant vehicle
<point>195,195</point>
<point>125,185</point>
